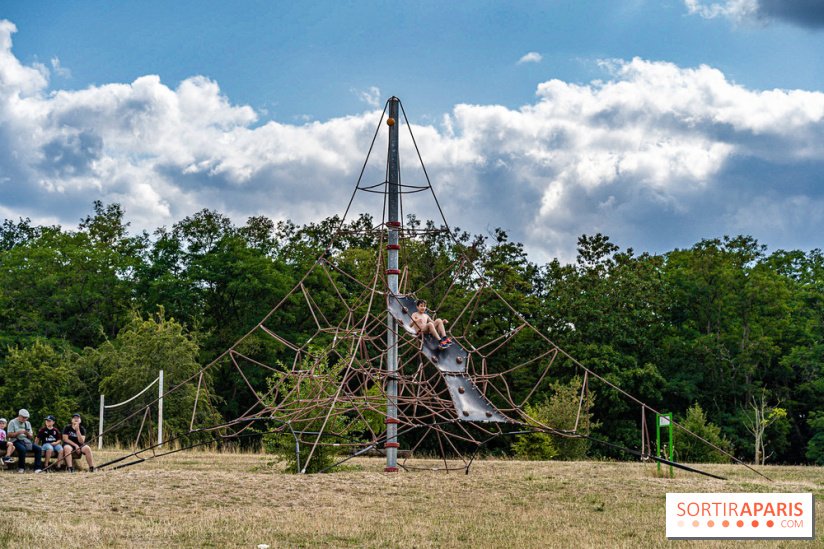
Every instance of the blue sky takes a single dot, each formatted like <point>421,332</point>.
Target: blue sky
<point>656,122</point>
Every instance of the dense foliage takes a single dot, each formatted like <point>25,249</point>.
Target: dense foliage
<point>701,332</point>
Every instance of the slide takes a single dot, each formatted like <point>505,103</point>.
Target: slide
<point>470,404</point>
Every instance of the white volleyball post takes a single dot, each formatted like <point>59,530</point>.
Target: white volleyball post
<point>160,409</point>
<point>100,431</point>
<point>104,407</point>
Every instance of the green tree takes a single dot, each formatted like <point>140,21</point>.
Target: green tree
<point>44,380</point>
<point>295,396</point>
<point>70,285</point>
<point>606,311</point>
<point>692,450</point>
<point>815,448</point>
<point>735,314</point>
<point>757,418</point>
<point>562,409</point>
<point>800,383</point>
<point>131,361</point>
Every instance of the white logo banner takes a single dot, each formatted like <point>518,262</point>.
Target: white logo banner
<point>740,516</point>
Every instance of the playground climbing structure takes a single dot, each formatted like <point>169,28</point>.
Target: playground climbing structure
<point>364,379</point>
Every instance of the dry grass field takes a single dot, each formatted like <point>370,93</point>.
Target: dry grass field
<point>199,499</point>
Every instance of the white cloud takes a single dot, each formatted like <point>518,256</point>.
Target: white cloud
<point>656,156</point>
<point>805,13</point>
<point>15,78</point>
<point>531,57</point>
<point>59,69</point>
<point>732,9</point>
<point>651,146</point>
<point>371,97</point>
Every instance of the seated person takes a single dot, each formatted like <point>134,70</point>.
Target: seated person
<point>423,323</point>
<point>74,443</point>
<point>6,449</point>
<point>21,436</point>
<point>49,439</point>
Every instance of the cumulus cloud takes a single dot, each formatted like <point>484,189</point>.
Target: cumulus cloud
<point>654,155</point>
<point>531,57</point>
<point>163,153</point>
<point>657,156</point>
<point>805,13</point>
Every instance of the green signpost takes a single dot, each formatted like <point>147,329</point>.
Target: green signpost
<point>665,420</point>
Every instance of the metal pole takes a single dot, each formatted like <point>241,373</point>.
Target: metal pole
<point>160,411</point>
<point>658,438</point>
<point>672,445</point>
<point>392,273</point>
<point>100,431</point>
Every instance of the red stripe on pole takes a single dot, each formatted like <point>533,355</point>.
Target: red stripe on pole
<point>393,271</point>
<point>393,246</point>
<point>391,445</point>
<point>391,420</point>
<point>390,469</point>
<point>393,223</point>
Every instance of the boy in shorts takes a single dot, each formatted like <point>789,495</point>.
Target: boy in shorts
<point>74,444</point>
<point>424,324</point>
<point>49,439</point>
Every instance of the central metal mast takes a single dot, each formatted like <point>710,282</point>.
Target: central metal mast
<point>392,272</point>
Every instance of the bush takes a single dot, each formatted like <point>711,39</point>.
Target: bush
<point>690,449</point>
<point>343,425</point>
<point>559,410</point>
<point>535,446</point>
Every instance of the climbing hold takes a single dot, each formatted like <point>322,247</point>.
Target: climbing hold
<point>488,414</point>
<point>390,122</point>
<point>466,412</point>
<point>461,390</point>
<point>405,310</point>
<point>459,360</point>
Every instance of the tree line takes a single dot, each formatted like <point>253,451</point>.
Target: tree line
<point>724,335</point>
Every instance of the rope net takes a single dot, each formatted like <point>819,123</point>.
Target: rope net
<point>330,388</point>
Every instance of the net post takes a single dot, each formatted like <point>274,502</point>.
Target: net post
<point>100,430</point>
<point>160,410</point>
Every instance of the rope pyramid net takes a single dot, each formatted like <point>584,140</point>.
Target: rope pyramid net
<point>330,388</point>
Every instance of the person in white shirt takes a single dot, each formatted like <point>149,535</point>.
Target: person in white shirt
<point>21,435</point>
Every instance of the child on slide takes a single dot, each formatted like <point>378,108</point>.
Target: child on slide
<point>423,323</point>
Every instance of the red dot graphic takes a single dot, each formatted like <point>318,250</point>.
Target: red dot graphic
<point>755,524</point>
<point>695,523</point>
<point>725,523</point>
<point>740,523</point>
<point>710,523</point>
<point>770,523</point>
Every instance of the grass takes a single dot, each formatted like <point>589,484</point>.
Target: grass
<point>199,499</point>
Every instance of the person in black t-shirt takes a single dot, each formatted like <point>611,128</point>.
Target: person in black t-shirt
<point>50,439</point>
<point>74,444</point>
